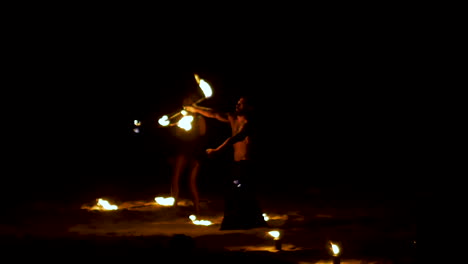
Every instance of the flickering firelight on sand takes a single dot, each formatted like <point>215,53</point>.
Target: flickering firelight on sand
<point>165,201</point>
<point>199,222</point>
<point>103,205</point>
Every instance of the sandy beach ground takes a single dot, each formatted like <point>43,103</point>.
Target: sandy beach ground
<point>369,228</point>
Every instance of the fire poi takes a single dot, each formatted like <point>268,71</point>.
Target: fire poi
<point>185,122</point>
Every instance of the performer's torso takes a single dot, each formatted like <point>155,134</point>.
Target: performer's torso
<point>241,148</point>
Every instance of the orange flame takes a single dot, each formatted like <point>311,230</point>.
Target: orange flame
<point>186,121</point>
<point>105,205</point>
<point>335,249</point>
<point>275,234</point>
<point>199,222</point>
<point>206,88</point>
<point>165,201</point>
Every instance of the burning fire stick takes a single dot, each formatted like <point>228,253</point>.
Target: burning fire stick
<point>276,234</point>
<point>205,87</point>
<point>207,92</point>
<point>185,122</point>
<point>335,252</point>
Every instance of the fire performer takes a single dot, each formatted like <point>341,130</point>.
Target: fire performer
<point>241,207</point>
<point>190,150</point>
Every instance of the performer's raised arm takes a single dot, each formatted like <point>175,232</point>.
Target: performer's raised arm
<point>207,112</point>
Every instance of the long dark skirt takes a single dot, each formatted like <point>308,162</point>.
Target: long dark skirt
<point>241,207</point>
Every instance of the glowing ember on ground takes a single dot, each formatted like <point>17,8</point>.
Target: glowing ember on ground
<point>200,222</point>
<point>102,205</point>
<point>335,249</point>
<point>275,234</point>
<point>106,205</point>
<point>165,201</point>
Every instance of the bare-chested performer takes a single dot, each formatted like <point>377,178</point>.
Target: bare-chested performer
<point>241,207</point>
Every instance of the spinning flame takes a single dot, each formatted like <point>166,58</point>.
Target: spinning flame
<point>164,120</point>
<point>185,122</point>
<point>206,88</point>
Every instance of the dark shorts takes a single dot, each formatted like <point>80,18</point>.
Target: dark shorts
<point>241,207</point>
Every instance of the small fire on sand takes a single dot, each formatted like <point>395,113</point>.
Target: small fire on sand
<point>103,205</point>
<point>200,222</point>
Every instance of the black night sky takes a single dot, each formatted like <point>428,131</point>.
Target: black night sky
<point>335,107</point>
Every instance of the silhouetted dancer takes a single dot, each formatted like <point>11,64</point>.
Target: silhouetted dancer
<point>241,207</point>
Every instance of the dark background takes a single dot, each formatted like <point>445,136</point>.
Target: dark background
<point>338,104</point>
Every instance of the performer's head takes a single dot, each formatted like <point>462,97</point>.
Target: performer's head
<point>245,105</point>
